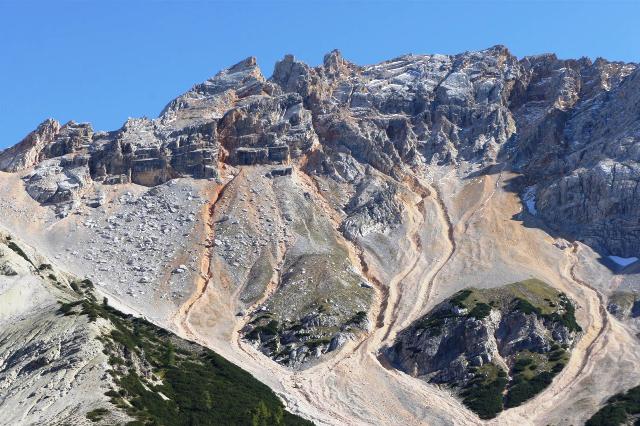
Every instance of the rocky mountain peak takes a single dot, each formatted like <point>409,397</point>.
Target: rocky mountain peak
<point>335,212</point>
<point>554,120</point>
<point>249,63</point>
<point>335,64</point>
<point>49,140</point>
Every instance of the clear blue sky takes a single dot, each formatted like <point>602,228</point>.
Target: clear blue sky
<point>103,61</point>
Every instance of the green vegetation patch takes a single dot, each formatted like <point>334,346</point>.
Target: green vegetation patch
<point>530,296</point>
<point>319,296</point>
<point>480,311</point>
<point>358,318</point>
<point>491,389</point>
<point>484,393</point>
<point>622,408</point>
<point>624,303</point>
<point>97,414</point>
<point>16,248</point>
<point>434,322</point>
<point>66,308</point>
<point>564,313</point>
<point>540,296</point>
<point>164,380</point>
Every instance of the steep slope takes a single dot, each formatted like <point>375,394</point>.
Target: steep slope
<point>69,358</point>
<point>316,215</point>
<point>52,368</point>
<point>564,123</point>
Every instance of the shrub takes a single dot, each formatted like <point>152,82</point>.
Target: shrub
<point>618,409</point>
<point>484,395</point>
<point>521,364</point>
<point>97,414</point>
<point>203,388</point>
<point>521,390</point>
<point>460,297</point>
<point>358,318</point>
<point>66,308</point>
<point>16,248</point>
<point>609,415</point>
<point>525,307</point>
<point>480,311</point>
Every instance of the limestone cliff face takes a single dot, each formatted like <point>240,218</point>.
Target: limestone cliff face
<point>570,126</point>
<point>578,139</point>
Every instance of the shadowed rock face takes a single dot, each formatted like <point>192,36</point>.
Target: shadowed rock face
<point>49,140</point>
<point>336,192</point>
<point>570,126</point>
<point>578,138</point>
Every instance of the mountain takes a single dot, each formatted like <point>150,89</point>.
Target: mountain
<point>69,358</point>
<point>308,227</point>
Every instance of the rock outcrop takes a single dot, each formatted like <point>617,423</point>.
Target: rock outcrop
<point>624,305</point>
<point>49,140</point>
<point>484,343</point>
<point>316,203</point>
<point>578,140</point>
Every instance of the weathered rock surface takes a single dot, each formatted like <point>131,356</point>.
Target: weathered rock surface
<point>293,267</point>
<point>49,140</point>
<point>579,141</point>
<point>476,334</point>
<point>313,200</point>
<point>570,126</point>
<point>624,305</point>
<point>52,368</point>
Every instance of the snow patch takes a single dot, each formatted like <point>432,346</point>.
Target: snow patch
<point>529,198</point>
<point>623,261</point>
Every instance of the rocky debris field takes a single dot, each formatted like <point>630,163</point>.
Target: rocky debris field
<point>143,245</point>
<point>567,125</point>
<point>52,368</point>
<point>303,295</point>
<point>70,357</point>
<point>147,245</point>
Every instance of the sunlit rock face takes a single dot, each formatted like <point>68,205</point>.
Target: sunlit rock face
<point>570,126</point>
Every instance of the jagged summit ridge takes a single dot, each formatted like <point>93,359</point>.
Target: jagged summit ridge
<point>562,123</point>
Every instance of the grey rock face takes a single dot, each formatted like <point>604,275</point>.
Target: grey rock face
<point>49,140</point>
<point>373,208</point>
<point>265,121</point>
<point>624,305</point>
<point>579,140</point>
<point>570,126</point>
<point>58,181</point>
<point>449,343</point>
